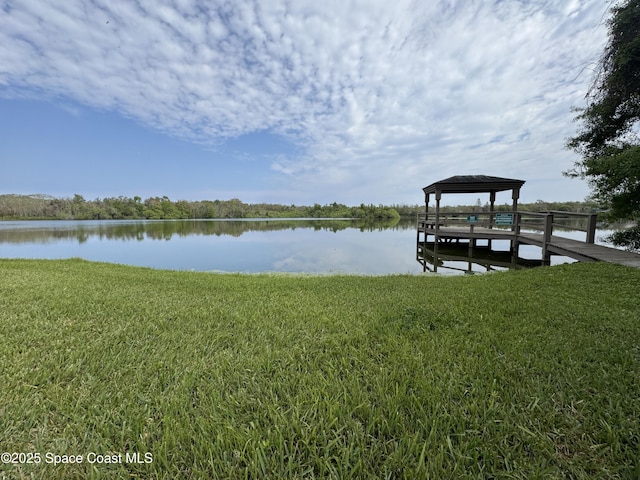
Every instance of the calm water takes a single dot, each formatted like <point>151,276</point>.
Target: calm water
<point>298,246</point>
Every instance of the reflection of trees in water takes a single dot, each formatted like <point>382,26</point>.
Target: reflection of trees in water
<point>165,230</point>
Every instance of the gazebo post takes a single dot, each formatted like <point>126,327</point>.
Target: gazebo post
<point>426,207</point>
<point>515,245</point>
<point>492,201</point>
<point>437,224</point>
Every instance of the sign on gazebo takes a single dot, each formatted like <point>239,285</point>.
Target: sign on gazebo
<point>504,218</point>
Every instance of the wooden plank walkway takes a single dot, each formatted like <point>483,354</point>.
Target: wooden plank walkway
<point>584,252</point>
<point>576,249</point>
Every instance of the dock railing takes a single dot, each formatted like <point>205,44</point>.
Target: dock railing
<point>584,222</point>
<point>514,221</point>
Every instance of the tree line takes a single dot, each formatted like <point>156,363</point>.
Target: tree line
<point>27,207</point>
<point>587,206</point>
<point>17,207</point>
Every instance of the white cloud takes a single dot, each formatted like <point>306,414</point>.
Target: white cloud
<point>383,96</point>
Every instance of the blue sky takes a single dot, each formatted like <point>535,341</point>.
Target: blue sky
<point>292,102</point>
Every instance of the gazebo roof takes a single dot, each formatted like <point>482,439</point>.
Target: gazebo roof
<point>473,184</point>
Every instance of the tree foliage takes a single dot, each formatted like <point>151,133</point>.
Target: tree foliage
<point>18,207</point>
<point>608,139</point>
<point>156,208</point>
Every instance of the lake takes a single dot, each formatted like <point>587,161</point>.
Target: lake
<point>314,246</point>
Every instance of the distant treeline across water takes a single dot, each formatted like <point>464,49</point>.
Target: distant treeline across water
<point>24,207</point>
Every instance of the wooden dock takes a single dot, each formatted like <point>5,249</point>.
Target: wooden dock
<point>519,228</point>
<point>582,251</point>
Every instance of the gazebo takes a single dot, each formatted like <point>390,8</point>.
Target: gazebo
<point>473,184</point>
<point>469,184</point>
<point>450,227</point>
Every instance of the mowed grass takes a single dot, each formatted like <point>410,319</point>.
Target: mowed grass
<point>528,374</point>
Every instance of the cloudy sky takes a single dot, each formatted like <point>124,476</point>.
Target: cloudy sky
<point>292,101</point>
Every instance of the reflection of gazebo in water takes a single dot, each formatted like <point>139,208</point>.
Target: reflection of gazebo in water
<point>433,223</point>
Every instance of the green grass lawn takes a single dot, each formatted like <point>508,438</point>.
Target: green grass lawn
<point>527,374</point>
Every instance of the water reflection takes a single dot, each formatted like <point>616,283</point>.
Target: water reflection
<point>52,231</point>
<point>274,245</point>
<point>455,257</point>
<point>307,245</point>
